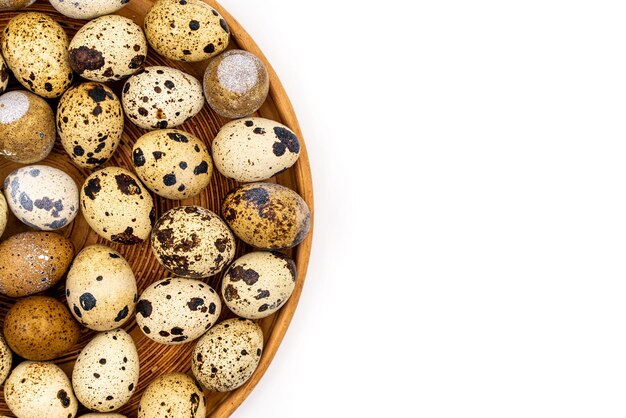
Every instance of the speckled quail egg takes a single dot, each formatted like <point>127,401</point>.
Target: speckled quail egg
<point>227,355</point>
<point>172,395</point>
<point>102,415</point>
<point>90,123</point>
<point>106,372</point>
<point>192,242</point>
<point>258,284</point>
<point>42,197</point>
<point>40,390</point>
<point>101,290</point>
<point>172,163</point>
<point>267,215</point>
<point>108,48</point>
<point>32,262</point>
<point>35,48</point>
<point>27,131</point>
<point>87,9</point>
<point>4,214</point>
<point>254,149</point>
<point>186,30</point>
<point>177,311</point>
<point>161,97</point>
<point>6,359</point>
<point>117,206</point>
<point>4,74</point>
<point>15,4</point>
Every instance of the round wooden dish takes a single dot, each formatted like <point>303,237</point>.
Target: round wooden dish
<point>157,359</point>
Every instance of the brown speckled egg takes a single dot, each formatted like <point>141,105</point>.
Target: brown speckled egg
<point>186,31</point>
<point>90,123</point>
<point>267,215</point>
<point>258,284</point>
<point>35,48</point>
<point>6,359</point>
<point>4,75</point>
<point>87,9</point>
<point>40,390</point>
<point>117,206</point>
<point>15,4</point>
<point>4,214</point>
<point>102,415</point>
<point>32,262</point>
<point>173,164</point>
<point>108,48</point>
<point>227,355</point>
<point>161,97</point>
<point>193,242</point>
<point>27,131</point>
<point>172,394</point>
<point>236,83</point>
<point>40,328</point>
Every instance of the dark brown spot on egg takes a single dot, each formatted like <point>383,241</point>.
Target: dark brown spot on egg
<point>84,58</point>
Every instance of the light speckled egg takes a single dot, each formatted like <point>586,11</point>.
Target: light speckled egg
<point>101,289</point>
<point>117,206</point>
<point>177,311</point>
<point>254,149</point>
<point>27,131</point>
<point>173,395</point>
<point>192,242</point>
<point>32,262</point>
<point>40,390</point>
<point>90,123</point>
<point>42,197</point>
<point>108,48</point>
<point>186,31</point>
<point>103,415</point>
<point>4,214</point>
<point>173,164</point>
<point>267,215</point>
<point>258,284</point>
<point>6,359</point>
<point>15,4</point>
<point>161,97</point>
<point>227,355</point>
<point>87,9</point>
<point>35,48</point>
<point>107,371</point>
<point>4,75</point>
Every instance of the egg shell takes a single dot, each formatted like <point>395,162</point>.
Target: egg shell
<point>40,328</point>
<point>101,289</point>
<point>192,242</point>
<point>186,31</point>
<point>227,355</point>
<point>254,149</point>
<point>106,372</point>
<point>6,359</point>
<point>35,48</point>
<point>103,415</point>
<point>267,215</point>
<point>161,97</point>
<point>32,262</point>
<point>117,206</point>
<point>90,123</point>
<point>236,83</point>
<point>258,284</point>
<point>42,197</point>
<point>4,74</point>
<point>35,390</point>
<point>27,131</point>
<point>87,9</point>
<point>177,311</point>
<point>4,214</point>
<point>172,163</point>
<point>108,48</point>
<point>15,4</point>
<point>173,395</point>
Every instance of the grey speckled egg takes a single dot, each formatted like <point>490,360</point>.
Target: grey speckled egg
<point>254,149</point>
<point>6,359</point>
<point>87,9</point>
<point>108,48</point>
<point>186,31</point>
<point>258,284</point>
<point>4,214</point>
<point>106,372</point>
<point>40,390</point>
<point>42,197</point>
<point>90,123</point>
<point>227,355</point>
<point>117,206</point>
<point>35,48</point>
<point>4,75</point>
<point>177,311</point>
<point>161,97</point>
<point>173,164</point>
<point>101,290</point>
<point>173,395</point>
<point>192,242</point>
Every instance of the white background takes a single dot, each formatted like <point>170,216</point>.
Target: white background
<point>469,160</point>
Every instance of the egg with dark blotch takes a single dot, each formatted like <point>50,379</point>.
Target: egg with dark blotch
<point>172,395</point>
<point>87,9</point>
<point>4,75</point>
<point>6,359</point>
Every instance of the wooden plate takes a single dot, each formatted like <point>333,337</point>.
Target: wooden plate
<point>155,358</point>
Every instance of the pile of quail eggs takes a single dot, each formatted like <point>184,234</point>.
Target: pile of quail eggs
<point>191,242</point>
